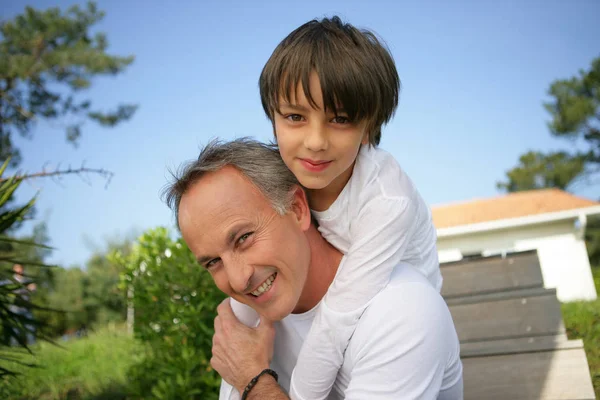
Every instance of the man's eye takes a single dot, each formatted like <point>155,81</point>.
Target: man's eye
<point>294,117</point>
<point>212,263</point>
<point>245,236</point>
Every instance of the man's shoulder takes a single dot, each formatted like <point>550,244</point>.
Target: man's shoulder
<point>408,287</point>
<point>406,333</point>
<point>407,309</point>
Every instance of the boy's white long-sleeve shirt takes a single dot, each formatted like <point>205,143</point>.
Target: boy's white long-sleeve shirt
<point>378,221</point>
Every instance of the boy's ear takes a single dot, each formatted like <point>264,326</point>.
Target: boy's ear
<point>366,135</point>
<point>300,208</point>
<point>365,139</point>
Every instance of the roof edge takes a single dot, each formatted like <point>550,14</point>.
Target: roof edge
<point>516,222</point>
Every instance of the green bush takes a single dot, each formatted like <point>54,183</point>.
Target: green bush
<point>175,301</point>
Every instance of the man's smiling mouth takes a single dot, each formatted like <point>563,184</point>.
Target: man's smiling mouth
<point>265,287</point>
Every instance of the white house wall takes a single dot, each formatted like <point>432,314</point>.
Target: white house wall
<point>561,250</point>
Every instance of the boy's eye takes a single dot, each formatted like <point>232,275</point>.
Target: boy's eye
<point>294,117</point>
<point>340,119</point>
<point>212,263</point>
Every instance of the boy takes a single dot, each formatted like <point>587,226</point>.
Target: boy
<point>328,88</point>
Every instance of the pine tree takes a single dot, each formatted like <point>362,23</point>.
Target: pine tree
<point>47,61</point>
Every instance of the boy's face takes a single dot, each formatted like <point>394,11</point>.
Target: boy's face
<point>318,147</point>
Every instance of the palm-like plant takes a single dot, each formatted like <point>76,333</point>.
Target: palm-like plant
<point>15,325</point>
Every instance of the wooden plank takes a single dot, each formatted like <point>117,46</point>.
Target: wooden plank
<point>517,345</point>
<point>508,318</point>
<point>556,375</point>
<point>491,274</point>
<point>496,296</point>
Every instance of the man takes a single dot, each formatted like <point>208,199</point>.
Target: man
<point>23,288</point>
<point>247,220</point>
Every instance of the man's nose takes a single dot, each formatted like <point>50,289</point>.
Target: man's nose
<point>239,274</point>
<point>315,138</point>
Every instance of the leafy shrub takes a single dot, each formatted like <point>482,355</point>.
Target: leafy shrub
<point>175,303</point>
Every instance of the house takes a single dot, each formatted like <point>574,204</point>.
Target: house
<point>550,221</point>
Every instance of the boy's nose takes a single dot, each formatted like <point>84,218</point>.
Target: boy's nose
<point>316,139</point>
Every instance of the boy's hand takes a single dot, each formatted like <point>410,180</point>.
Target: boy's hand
<point>239,352</point>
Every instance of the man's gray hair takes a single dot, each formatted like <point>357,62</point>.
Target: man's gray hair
<point>259,162</point>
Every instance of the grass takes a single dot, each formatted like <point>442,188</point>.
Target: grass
<point>582,320</point>
<point>93,368</point>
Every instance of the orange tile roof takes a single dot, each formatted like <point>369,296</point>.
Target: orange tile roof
<point>513,205</point>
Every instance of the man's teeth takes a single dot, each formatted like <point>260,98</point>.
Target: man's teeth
<point>265,286</point>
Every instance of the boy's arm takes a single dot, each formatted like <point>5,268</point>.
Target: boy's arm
<point>380,235</point>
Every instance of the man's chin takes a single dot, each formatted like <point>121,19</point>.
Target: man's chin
<point>249,314</point>
<point>274,312</point>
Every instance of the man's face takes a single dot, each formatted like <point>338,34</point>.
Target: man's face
<point>18,269</point>
<point>254,255</point>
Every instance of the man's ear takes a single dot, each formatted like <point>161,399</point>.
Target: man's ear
<point>300,207</point>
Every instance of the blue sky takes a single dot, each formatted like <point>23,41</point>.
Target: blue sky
<point>474,76</point>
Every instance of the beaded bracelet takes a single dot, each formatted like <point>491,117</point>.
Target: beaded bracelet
<point>255,380</point>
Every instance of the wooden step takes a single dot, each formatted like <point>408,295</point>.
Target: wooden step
<point>528,344</point>
<point>503,295</point>
<point>507,315</point>
<point>491,274</point>
<point>555,374</point>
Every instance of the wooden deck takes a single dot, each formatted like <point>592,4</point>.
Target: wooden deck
<point>513,341</point>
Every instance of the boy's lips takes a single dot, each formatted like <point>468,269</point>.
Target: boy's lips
<point>315,165</point>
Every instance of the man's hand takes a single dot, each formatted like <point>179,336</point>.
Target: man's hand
<point>239,352</point>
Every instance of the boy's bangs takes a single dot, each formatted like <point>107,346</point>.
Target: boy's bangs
<point>344,88</point>
<point>356,72</point>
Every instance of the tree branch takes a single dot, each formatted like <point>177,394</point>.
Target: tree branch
<point>69,171</point>
<point>26,114</point>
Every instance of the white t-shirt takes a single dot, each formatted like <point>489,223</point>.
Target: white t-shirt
<point>404,347</point>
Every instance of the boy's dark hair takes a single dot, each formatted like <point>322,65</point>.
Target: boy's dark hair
<point>355,70</point>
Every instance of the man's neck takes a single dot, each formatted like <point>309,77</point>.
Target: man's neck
<point>324,262</point>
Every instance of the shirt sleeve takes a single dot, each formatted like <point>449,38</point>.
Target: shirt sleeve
<point>380,236</point>
<point>412,349</point>
<point>227,392</point>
